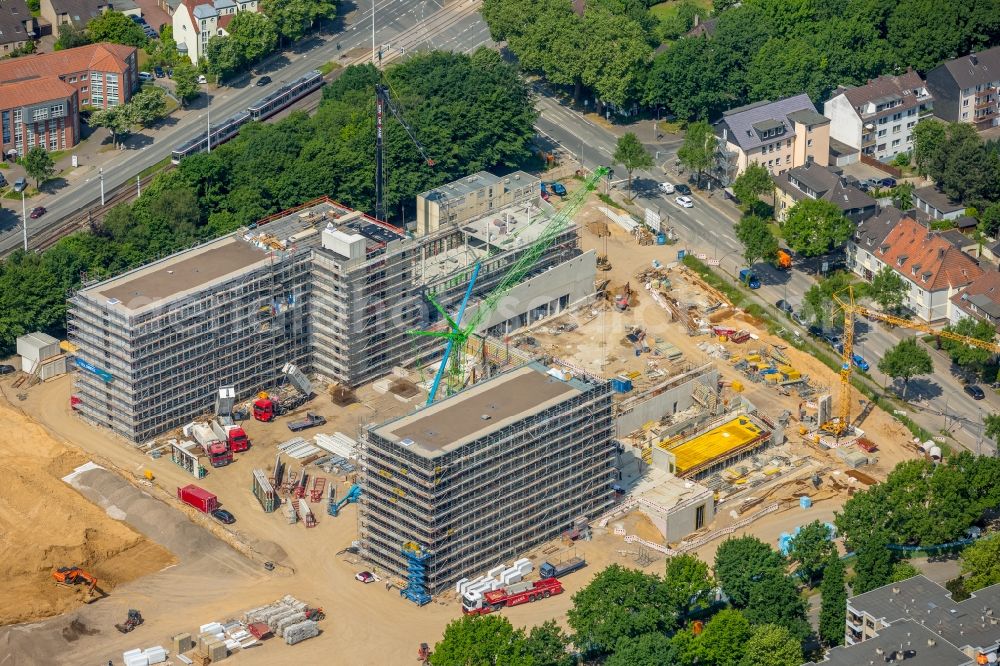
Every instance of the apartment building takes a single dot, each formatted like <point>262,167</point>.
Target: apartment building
<point>878,118</point>
<point>331,290</point>
<point>41,95</point>
<point>197,21</point>
<point>17,26</point>
<point>80,12</point>
<point>965,89</point>
<point>901,642</point>
<point>868,237</point>
<point>779,135</point>
<point>471,197</point>
<point>812,181</point>
<point>971,626</point>
<point>979,300</point>
<point>483,476</point>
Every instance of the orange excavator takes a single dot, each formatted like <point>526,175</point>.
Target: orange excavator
<point>70,576</point>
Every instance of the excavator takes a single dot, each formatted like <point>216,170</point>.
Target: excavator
<point>70,576</point>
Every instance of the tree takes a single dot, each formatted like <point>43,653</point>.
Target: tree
<point>888,289</point>
<point>914,35</point>
<point>902,571</point>
<point>618,603</point>
<point>740,562</point>
<point>811,548</point>
<point>758,240</point>
<point>630,153</point>
<point>785,67</point>
<point>148,105</point>
<point>989,221</point>
<point>253,34</point>
<point>833,592</point>
<point>815,226</point>
<point>687,584</point>
<point>981,564</point>
<point>652,649</point>
<point>689,79</point>
<point>117,119</point>
<point>775,599</point>
<point>39,165</point>
<point>773,645</point>
<point>487,640</point>
<point>71,36</point>
<point>117,28</point>
<point>546,644</point>
<point>967,356</point>
<point>293,18</point>
<point>902,194</point>
<point>819,298</point>
<point>698,150</point>
<point>929,137</point>
<point>754,182</point>
<point>186,81</point>
<point>224,55</point>
<point>873,565</point>
<point>615,58</point>
<point>991,427</point>
<point>907,359</point>
<point>721,642</point>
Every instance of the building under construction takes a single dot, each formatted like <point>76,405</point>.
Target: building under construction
<point>483,476</point>
<point>329,289</point>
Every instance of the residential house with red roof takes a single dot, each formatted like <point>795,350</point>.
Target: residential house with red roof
<point>932,267</point>
<point>41,95</point>
<point>197,21</point>
<point>979,300</point>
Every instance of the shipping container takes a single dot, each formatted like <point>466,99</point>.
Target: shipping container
<point>199,498</point>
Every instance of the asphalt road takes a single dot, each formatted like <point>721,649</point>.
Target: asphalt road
<point>406,24</point>
<point>939,402</point>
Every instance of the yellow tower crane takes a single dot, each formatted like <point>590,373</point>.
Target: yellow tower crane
<point>842,423</point>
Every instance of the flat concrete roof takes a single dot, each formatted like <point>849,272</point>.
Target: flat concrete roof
<point>171,277</point>
<point>458,420</point>
<point>920,647</point>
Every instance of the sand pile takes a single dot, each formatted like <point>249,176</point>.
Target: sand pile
<point>45,524</point>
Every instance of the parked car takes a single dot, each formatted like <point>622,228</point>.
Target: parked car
<point>799,319</point>
<point>20,184</point>
<point>784,306</point>
<point>683,189</point>
<point>159,72</point>
<point>202,79</point>
<point>263,81</point>
<point>3,180</point>
<point>833,340</point>
<point>137,19</point>
<point>666,188</point>
<point>684,202</point>
<point>887,182</point>
<point>6,369</point>
<point>146,76</point>
<point>224,516</point>
<point>152,34</point>
<point>170,72</point>
<point>860,362</point>
<point>37,212</point>
<point>365,577</point>
<point>974,391</point>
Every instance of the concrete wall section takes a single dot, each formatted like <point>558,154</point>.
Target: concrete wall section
<point>670,401</point>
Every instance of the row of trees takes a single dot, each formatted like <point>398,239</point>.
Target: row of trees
<point>110,26</point>
<point>965,168</point>
<point>146,107</point>
<point>471,113</point>
<point>760,48</point>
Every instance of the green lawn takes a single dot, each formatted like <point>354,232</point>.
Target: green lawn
<point>667,9</point>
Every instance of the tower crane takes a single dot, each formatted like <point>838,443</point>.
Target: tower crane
<point>851,309</point>
<point>458,332</point>
<point>383,101</point>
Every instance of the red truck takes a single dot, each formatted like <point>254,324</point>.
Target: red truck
<point>233,435</point>
<point>217,450</point>
<point>199,498</point>
<point>512,595</point>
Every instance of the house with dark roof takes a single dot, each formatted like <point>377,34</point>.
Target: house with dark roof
<point>867,238</point>
<point>877,119</point>
<point>905,642</point>
<point>197,21</point>
<point>80,12</point>
<point>17,26</point>
<point>778,135</point>
<point>812,181</point>
<point>41,94</point>
<point>937,204</point>
<point>934,269</point>
<point>979,300</point>
<point>701,28</point>
<point>965,89</point>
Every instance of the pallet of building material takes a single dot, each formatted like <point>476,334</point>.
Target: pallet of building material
<point>287,621</point>
<point>291,443</point>
<point>275,620</point>
<point>264,492</point>
<point>291,513</point>
<point>301,631</point>
<point>338,444</point>
<point>308,517</point>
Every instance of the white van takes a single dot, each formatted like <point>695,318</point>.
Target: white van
<point>145,76</point>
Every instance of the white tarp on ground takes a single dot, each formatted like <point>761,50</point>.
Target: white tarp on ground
<point>338,444</point>
<point>624,221</point>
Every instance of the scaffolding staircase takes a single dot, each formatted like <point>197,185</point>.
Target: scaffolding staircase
<point>416,579</point>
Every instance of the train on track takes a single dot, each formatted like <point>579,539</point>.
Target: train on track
<point>262,109</point>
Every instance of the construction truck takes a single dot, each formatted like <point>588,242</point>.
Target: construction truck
<point>133,620</point>
<point>783,260</point>
<point>217,450</point>
<point>333,507</point>
<point>294,392</point>
<point>310,420</point>
<point>512,595</point>
<point>70,576</point>
<point>233,435</point>
<point>560,569</point>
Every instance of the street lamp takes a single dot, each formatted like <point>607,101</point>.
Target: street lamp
<point>21,187</point>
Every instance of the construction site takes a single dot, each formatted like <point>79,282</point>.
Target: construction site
<point>560,394</point>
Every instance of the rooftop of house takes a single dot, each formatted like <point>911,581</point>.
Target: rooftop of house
<point>738,125</point>
<point>957,238</point>
<point>487,407</point>
<point>103,57</point>
<point>906,87</point>
<point>973,69</point>
<point>937,199</point>
<point>973,623</point>
<point>703,28</point>
<point>981,296</point>
<point>925,258</point>
<point>81,11</point>
<point>903,641</point>
<point>13,14</point>
<point>872,232</point>
<point>819,182</point>
<point>28,93</point>
<point>475,182</point>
